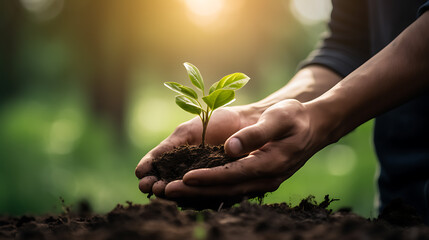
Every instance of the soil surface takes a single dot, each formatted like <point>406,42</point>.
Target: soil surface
<point>163,220</point>
<point>174,164</point>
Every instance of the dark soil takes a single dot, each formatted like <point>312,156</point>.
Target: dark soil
<point>161,219</point>
<point>174,164</point>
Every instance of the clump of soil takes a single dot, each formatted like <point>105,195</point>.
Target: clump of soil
<point>174,164</point>
<point>162,220</point>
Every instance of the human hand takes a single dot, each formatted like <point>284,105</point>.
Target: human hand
<point>223,123</point>
<point>286,135</point>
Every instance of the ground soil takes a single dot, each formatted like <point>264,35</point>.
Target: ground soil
<point>163,220</point>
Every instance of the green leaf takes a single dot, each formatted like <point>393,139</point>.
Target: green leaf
<point>219,98</point>
<point>213,87</point>
<point>233,81</point>
<point>179,88</point>
<point>194,76</point>
<point>188,104</point>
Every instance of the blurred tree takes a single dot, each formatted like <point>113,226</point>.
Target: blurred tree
<point>104,34</point>
<point>11,19</point>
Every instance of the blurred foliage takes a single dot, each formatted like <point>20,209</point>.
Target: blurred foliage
<point>82,100</point>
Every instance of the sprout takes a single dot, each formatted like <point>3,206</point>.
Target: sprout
<point>221,93</point>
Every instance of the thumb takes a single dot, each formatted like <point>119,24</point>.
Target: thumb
<point>252,138</point>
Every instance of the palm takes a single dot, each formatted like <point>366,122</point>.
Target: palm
<point>222,125</point>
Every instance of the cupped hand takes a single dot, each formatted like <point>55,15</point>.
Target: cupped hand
<point>223,123</point>
<point>286,135</point>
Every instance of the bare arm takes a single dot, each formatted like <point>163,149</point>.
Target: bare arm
<point>289,132</point>
<point>307,84</point>
<point>393,76</point>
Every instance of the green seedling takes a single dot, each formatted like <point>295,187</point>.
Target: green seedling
<point>221,93</point>
<point>200,232</point>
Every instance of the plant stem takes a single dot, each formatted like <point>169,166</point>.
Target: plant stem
<point>204,134</point>
<point>205,124</point>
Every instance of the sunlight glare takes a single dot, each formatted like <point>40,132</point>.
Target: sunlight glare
<point>204,11</point>
<point>205,7</point>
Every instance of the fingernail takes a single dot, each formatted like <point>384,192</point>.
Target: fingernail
<point>235,146</point>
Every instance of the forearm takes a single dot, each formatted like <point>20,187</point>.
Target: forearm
<point>307,84</point>
<point>393,76</point>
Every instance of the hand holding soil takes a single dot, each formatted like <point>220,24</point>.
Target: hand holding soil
<point>157,169</point>
<point>266,148</point>
<point>280,143</point>
<point>190,133</point>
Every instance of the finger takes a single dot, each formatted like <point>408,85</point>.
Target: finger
<point>177,189</point>
<point>146,183</point>
<point>259,164</point>
<point>255,136</point>
<point>158,188</point>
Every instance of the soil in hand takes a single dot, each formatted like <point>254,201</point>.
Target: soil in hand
<point>174,164</point>
<point>162,220</point>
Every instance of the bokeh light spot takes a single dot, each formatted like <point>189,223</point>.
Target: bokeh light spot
<point>311,11</point>
<point>64,132</point>
<point>341,159</point>
<point>43,9</point>
<point>149,118</point>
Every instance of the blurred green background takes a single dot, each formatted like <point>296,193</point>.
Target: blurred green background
<point>82,99</point>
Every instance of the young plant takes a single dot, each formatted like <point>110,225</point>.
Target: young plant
<point>221,93</point>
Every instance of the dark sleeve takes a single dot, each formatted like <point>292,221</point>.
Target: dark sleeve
<point>345,46</point>
<point>423,8</point>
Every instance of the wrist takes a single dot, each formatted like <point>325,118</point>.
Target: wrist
<point>326,119</point>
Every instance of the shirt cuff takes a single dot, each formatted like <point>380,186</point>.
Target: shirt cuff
<point>338,61</point>
<point>423,8</point>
